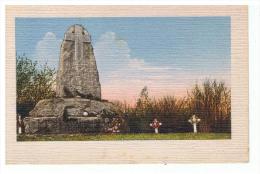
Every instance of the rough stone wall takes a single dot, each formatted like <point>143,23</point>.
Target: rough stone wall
<point>69,115</point>
<point>55,125</point>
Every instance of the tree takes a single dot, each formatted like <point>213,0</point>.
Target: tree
<point>32,84</point>
<point>143,102</point>
<point>212,103</point>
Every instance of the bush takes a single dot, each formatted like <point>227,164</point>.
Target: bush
<point>33,84</point>
<point>211,102</point>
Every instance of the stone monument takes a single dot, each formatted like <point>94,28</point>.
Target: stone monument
<point>78,74</point>
<point>78,107</point>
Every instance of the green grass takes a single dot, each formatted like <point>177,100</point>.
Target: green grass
<point>110,137</point>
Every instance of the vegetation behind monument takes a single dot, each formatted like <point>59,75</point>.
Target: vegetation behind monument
<point>33,83</point>
<point>211,101</point>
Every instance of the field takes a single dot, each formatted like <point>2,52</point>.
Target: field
<point>111,137</point>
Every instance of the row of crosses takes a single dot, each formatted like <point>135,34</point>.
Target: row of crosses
<point>194,120</point>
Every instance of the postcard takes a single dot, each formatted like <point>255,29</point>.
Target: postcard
<point>126,84</point>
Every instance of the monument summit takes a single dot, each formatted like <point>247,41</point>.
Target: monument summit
<point>78,74</point>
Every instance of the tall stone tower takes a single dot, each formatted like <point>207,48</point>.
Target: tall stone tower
<point>77,73</point>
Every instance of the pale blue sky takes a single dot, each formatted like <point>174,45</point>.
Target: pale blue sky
<point>178,48</point>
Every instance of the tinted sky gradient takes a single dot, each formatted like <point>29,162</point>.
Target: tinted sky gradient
<point>167,54</point>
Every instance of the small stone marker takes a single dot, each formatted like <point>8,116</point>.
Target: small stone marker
<point>19,124</point>
<point>194,120</point>
<point>85,113</point>
<point>156,124</point>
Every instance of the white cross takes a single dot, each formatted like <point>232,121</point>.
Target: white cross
<point>194,120</point>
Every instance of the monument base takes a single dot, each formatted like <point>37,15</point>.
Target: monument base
<point>69,115</point>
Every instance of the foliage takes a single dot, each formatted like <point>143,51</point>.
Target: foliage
<point>32,84</point>
<point>211,102</point>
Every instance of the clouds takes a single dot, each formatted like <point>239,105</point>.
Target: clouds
<point>111,52</point>
<point>47,50</point>
<point>123,76</point>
